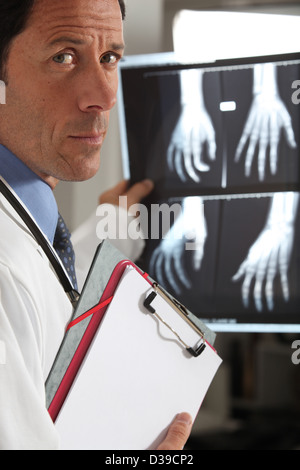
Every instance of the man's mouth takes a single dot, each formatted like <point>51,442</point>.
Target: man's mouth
<point>89,139</point>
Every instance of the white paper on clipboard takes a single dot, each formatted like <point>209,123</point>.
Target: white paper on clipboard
<point>135,378</point>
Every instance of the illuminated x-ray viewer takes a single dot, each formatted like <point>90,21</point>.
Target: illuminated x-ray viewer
<point>226,137</point>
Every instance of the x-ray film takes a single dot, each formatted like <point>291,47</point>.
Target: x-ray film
<point>222,142</point>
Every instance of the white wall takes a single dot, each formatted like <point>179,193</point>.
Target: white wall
<point>143,34</point>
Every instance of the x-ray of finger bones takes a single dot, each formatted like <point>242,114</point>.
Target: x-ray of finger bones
<point>268,118</point>
<point>223,141</point>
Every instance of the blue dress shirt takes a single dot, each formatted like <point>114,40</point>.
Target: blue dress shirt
<point>35,194</point>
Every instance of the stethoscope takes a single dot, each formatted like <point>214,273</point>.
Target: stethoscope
<point>41,239</point>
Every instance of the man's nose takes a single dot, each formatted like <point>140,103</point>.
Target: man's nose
<point>98,90</point>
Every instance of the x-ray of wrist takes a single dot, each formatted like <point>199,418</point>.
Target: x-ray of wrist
<point>193,131</point>
<point>270,255</point>
<point>267,118</point>
<point>189,232</point>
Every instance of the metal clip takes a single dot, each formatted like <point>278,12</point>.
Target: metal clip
<point>179,309</point>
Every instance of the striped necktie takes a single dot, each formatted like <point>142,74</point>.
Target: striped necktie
<point>63,247</point>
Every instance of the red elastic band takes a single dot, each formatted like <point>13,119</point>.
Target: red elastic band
<point>89,313</point>
<point>95,309</point>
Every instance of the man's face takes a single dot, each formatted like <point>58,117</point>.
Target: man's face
<point>62,82</point>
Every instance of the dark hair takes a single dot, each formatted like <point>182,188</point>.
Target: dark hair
<point>123,8</point>
<point>13,18</point>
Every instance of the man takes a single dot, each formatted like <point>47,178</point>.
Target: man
<point>59,62</point>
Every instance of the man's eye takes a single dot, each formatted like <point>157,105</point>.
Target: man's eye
<point>109,59</point>
<point>65,59</point>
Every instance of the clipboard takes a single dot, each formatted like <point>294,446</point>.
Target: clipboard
<point>99,400</point>
<point>106,258</point>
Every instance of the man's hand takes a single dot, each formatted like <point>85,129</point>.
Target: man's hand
<point>134,194</point>
<point>178,433</point>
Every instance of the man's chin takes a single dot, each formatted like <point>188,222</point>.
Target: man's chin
<point>80,169</point>
<point>82,174</point>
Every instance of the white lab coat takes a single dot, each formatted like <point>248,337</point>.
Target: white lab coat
<point>34,311</point>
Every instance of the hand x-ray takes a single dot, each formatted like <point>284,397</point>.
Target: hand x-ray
<point>244,265</point>
<point>223,140</point>
<point>194,130</point>
<point>268,119</point>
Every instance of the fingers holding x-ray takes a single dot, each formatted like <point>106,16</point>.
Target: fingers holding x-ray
<point>194,131</point>
<point>188,234</point>
<point>270,255</point>
<point>267,118</point>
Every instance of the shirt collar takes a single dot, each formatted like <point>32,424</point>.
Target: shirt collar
<point>35,194</point>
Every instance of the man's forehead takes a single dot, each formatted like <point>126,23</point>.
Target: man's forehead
<point>52,16</point>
